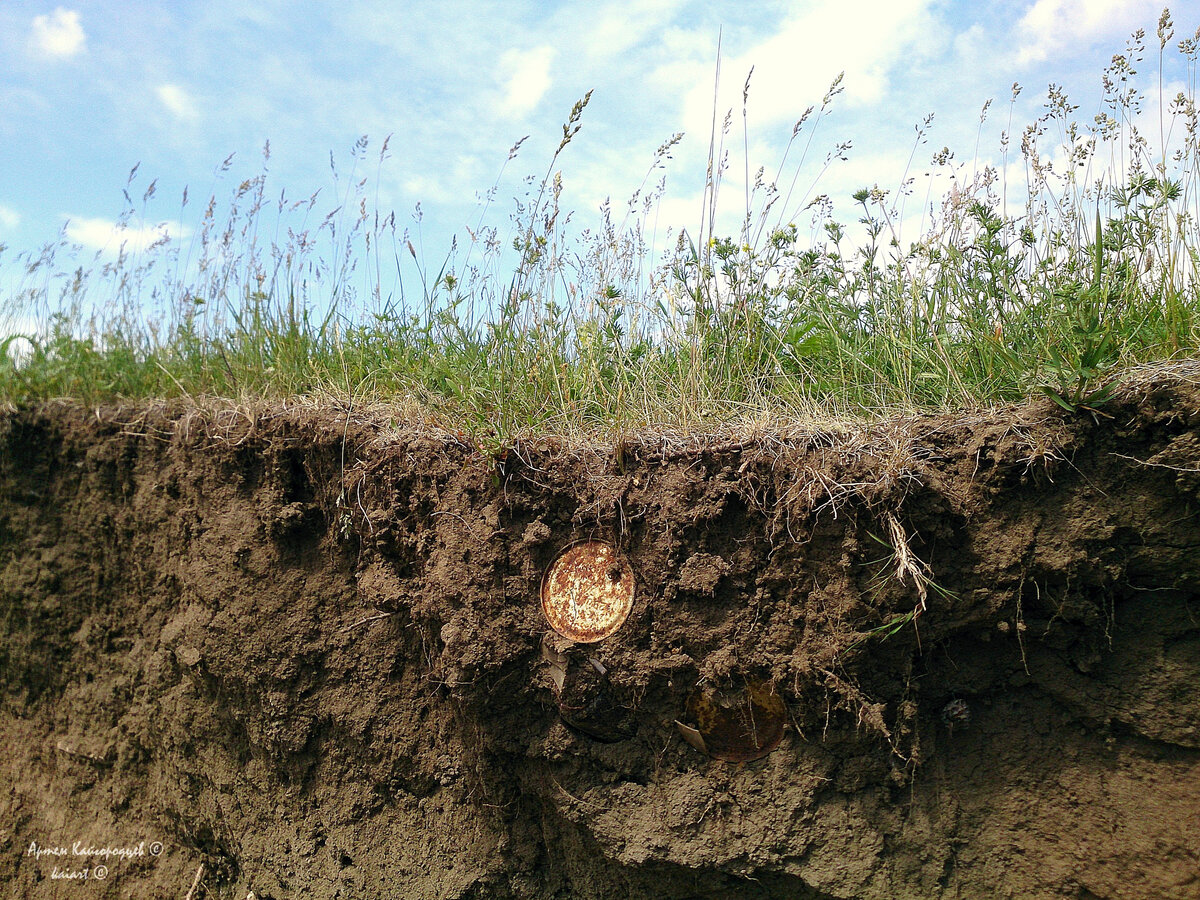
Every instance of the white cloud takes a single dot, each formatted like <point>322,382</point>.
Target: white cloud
<point>1053,25</point>
<point>528,79</point>
<point>617,27</point>
<point>872,42</point>
<point>110,236</point>
<point>973,45</point>
<point>9,218</point>
<point>455,178</point>
<point>427,189</point>
<point>676,213</point>
<point>177,101</point>
<point>58,35</point>
<point>794,67</point>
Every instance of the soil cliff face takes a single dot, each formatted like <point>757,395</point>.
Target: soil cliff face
<point>301,654</point>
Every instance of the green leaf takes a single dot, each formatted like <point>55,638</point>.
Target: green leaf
<point>1057,398</point>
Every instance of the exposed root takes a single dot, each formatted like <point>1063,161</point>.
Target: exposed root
<point>907,564</point>
<point>191,894</point>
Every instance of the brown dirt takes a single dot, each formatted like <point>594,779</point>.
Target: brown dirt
<point>302,651</point>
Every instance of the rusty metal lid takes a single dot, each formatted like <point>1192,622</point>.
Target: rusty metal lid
<point>588,591</point>
<point>740,723</point>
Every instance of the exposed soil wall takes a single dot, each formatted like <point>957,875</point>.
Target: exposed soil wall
<point>299,654</point>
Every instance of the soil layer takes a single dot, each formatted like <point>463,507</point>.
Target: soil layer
<point>301,653</point>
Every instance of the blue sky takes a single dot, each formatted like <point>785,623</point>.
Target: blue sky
<point>89,89</point>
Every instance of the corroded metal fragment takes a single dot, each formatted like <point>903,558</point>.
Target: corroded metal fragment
<point>737,724</point>
<point>588,700</point>
<point>588,591</point>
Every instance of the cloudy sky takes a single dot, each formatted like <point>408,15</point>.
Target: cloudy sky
<point>89,88</point>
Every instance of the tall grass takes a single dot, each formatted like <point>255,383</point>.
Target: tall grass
<point>1073,258</point>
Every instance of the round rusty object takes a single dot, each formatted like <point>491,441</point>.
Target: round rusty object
<point>587,592</point>
<point>739,724</point>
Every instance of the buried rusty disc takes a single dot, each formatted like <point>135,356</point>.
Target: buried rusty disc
<point>588,700</point>
<point>587,592</point>
<point>738,724</point>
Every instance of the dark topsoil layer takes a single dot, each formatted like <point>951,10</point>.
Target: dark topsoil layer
<point>302,650</point>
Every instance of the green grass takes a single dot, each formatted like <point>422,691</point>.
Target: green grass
<point>544,328</point>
